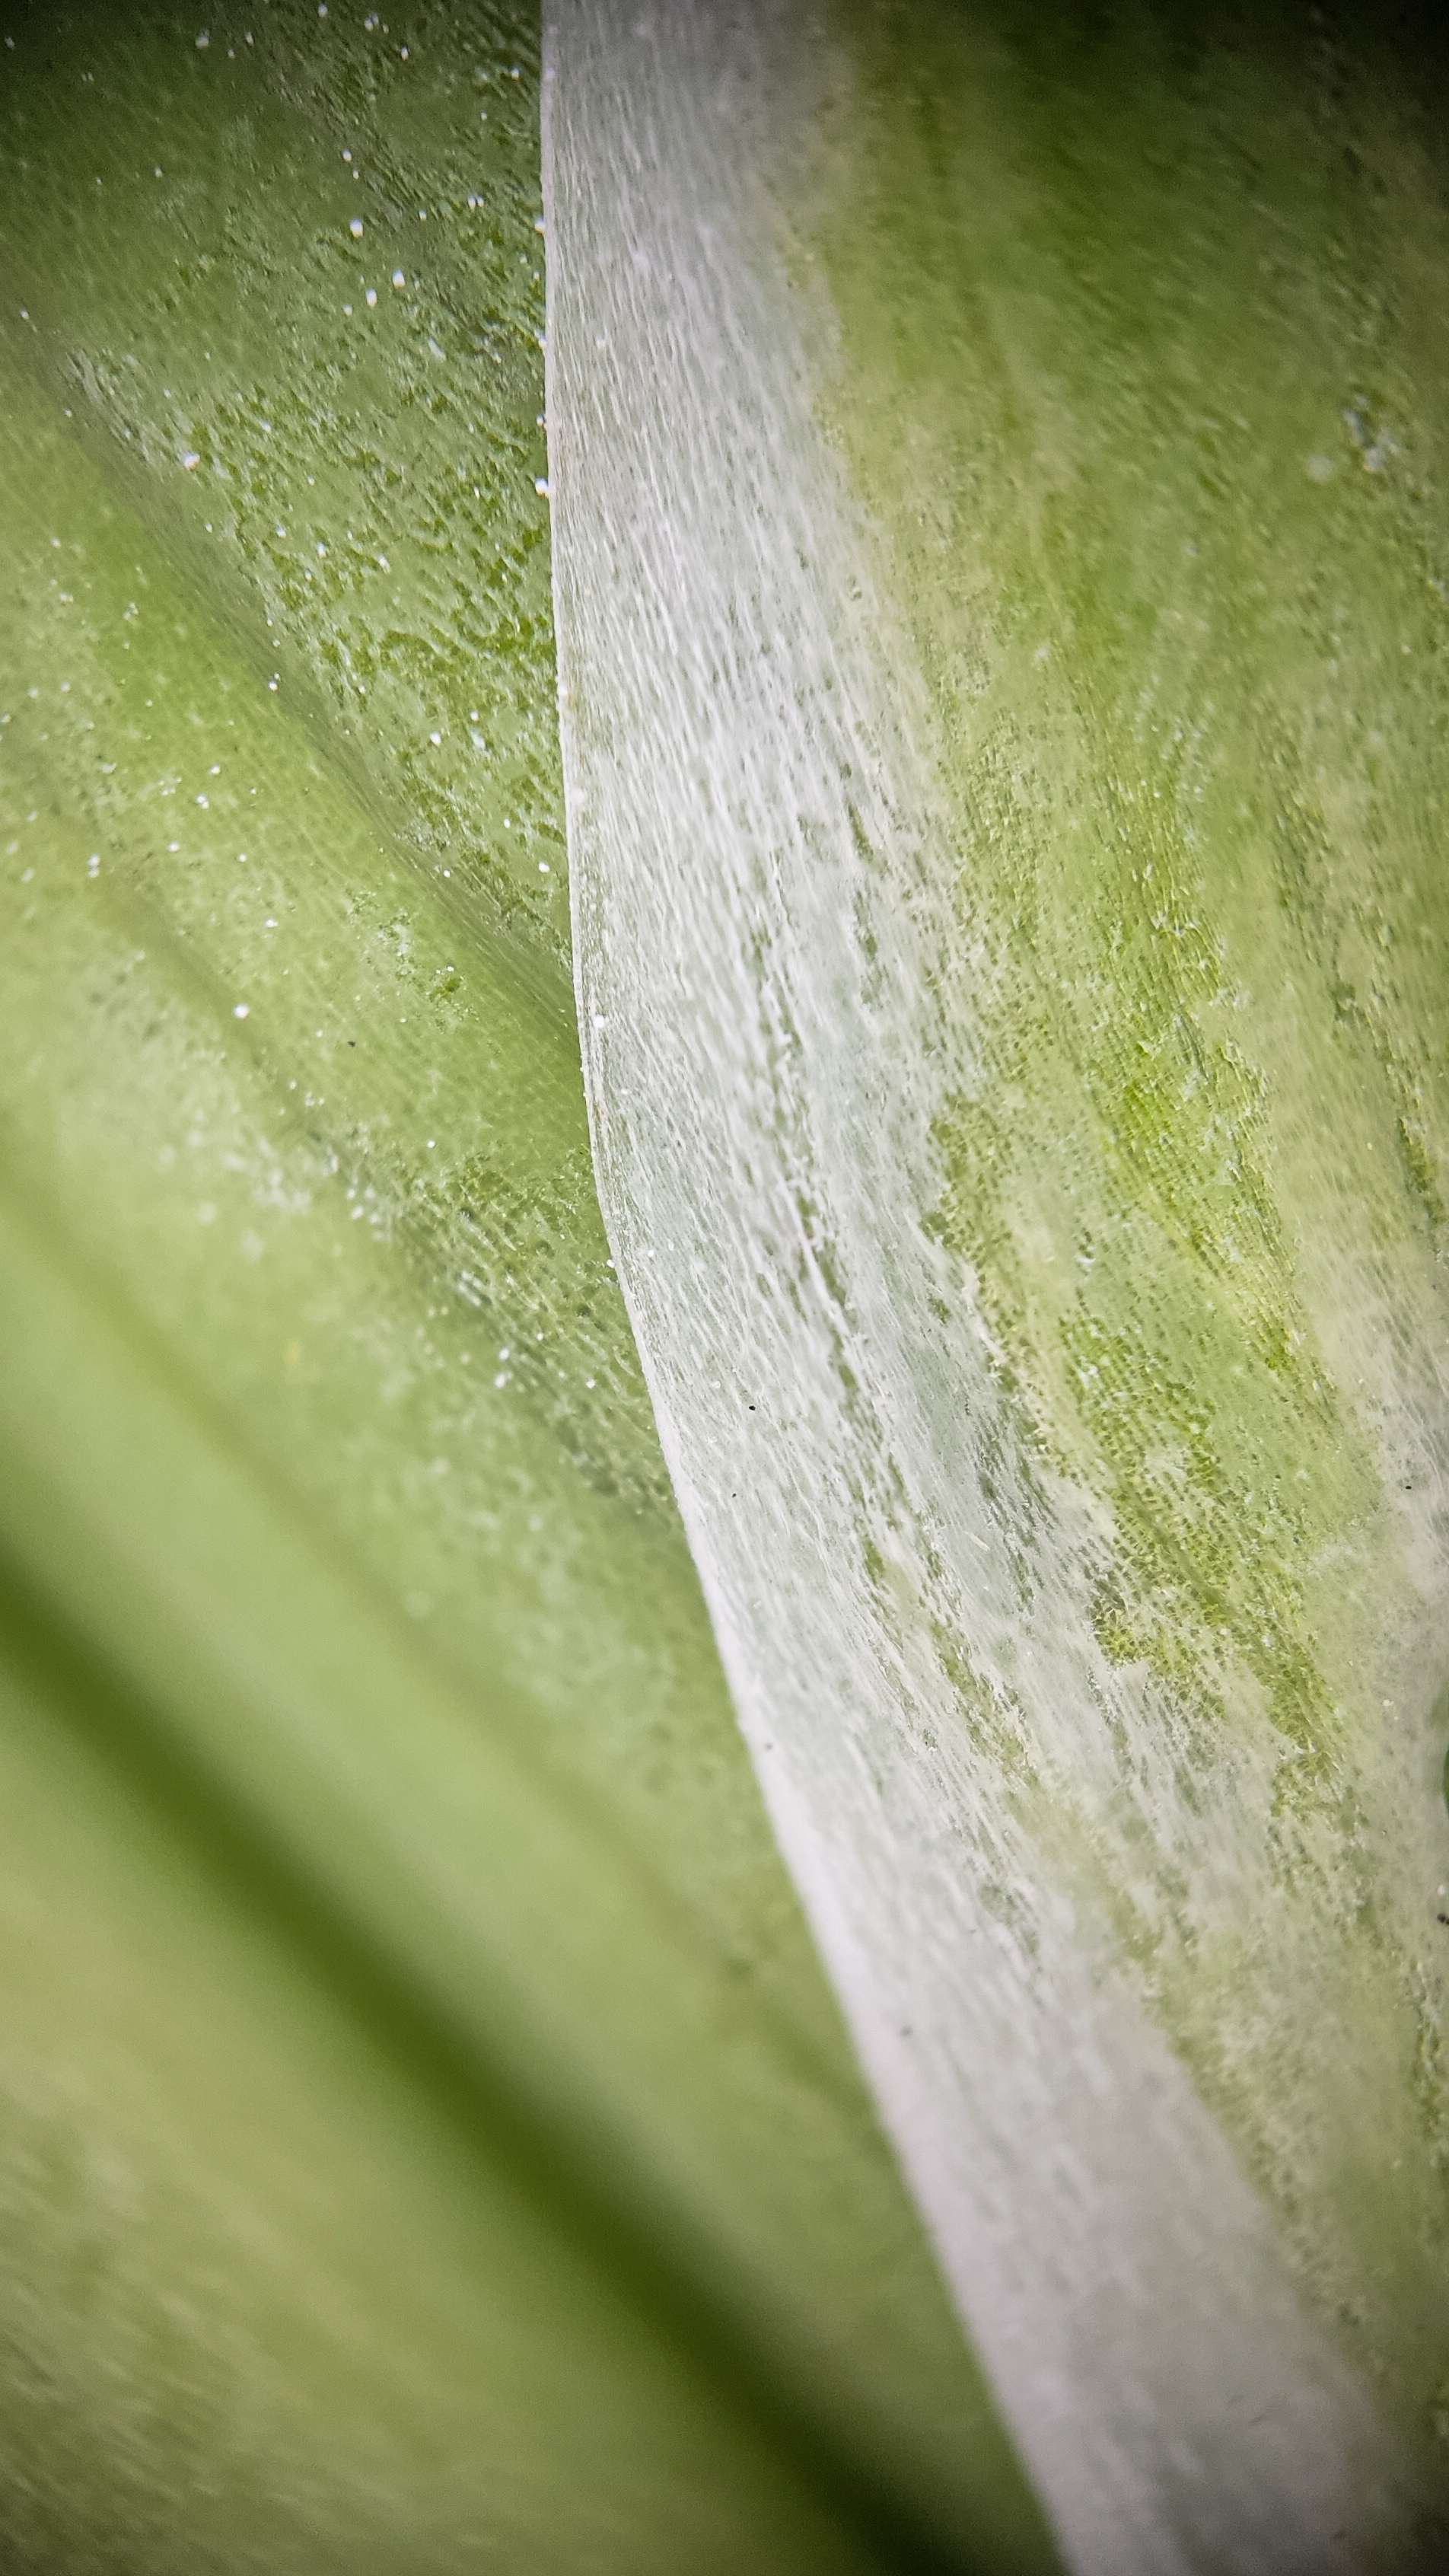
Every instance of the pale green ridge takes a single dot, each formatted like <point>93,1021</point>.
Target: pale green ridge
<point>433,2141</point>
<point>1143,353</point>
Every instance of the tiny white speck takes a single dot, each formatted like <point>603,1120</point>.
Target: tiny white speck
<point>239,1011</point>
<point>371,296</point>
<point>433,346</point>
<point>202,41</point>
<point>600,1020</point>
<point>542,485</point>
<point>190,459</point>
<point>93,863</point>
<point>543,867</point>
<point>538,223</point>
<point>435,737</point>
<point>355,227</point>
<point>397,277</point>
<point>502,1378</point>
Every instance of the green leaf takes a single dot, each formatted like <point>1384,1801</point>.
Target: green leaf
<point>429,2139</point>
<point>1000,564</point>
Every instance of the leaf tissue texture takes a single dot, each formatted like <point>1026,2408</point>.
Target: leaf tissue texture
<point>1000,561</point>
<point>427,2139</point>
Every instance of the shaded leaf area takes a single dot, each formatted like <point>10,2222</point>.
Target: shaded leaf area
<point>429,2139</point>
<point>1144,359</point>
